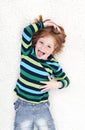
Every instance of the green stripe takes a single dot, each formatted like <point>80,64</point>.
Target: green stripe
<point>60,78</point>
<point>65,83</point>
<point>26,45</point>
<point>29,30</point>
<point>35,27</point>
<point>48,70</point>
<point>47,65</point>
<point>59,74</point>
<point>29,83</point>
<point>32,97</point>
<point>25,52</point>
<point>29,101</point>
<point>32,61</point>
<point>31,76</point>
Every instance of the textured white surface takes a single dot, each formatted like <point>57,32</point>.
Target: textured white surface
<point>67,105</point>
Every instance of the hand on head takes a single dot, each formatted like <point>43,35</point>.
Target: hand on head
<point>48,23</point>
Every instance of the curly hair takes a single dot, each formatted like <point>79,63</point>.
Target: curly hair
<point>59,36</point>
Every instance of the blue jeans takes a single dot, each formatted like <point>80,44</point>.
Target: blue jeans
<point>29,115</point>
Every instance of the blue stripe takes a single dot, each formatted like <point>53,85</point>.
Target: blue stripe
<point>53,63</point>
<point>33,69</point>
<point>29,90</point>
<point>59,69</point>
<point>56,64</point>
<point>26,37</point>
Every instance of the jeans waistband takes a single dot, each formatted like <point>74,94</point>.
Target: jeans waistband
<point>32,104</point>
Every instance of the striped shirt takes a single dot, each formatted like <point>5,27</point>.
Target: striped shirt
<point>34,70</point>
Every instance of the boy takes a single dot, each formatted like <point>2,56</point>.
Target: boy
<point>39,72</point>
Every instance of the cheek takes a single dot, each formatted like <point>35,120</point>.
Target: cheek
<point>49,52</point>
<point>52,50</point>
<point>36,46</point>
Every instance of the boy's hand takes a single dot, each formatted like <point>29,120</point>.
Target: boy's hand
<point>39,19</point>
<point>50,84</point>
<point>47,23</point>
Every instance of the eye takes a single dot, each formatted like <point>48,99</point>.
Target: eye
<point>49,46</point>
<point>41,42</point>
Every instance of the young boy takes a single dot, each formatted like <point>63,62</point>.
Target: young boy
<point>39,72</point>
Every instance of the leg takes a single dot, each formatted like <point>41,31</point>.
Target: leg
<point>23,117</point>
<point>44,120</point>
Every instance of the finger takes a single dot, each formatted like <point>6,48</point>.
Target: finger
<point>40,18</point>
<point>47,20</point>
<point>43,86</point>
<point>57,27</point>
<point>43,82</point>
<point>44,89</point>
<point>49,78</point>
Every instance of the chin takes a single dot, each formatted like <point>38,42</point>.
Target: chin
<point>41,58</point>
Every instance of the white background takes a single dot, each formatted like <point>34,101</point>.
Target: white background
<point>67,105</point>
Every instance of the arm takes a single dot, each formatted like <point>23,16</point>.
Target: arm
<point>28,33</point>
<point>31,29</point>
<point>59,81</point>
<point>60,76</point>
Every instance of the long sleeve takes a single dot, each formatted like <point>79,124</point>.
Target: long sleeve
<point>27,36</point>
<point>60,75</point>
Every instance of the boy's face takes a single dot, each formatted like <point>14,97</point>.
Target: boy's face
<point>44,47</point>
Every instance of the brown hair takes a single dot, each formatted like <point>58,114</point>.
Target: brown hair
<point>59,36</point>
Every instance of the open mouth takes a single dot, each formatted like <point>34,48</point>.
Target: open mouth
<point>40,53</point>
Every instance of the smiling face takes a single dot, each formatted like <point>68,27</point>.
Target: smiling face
<point>44,47</point>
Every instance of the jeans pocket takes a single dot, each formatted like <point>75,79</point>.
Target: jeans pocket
<point>17,105</point>
<point>47,104</point>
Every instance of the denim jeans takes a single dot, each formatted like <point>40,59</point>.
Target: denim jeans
<point>29,115</point>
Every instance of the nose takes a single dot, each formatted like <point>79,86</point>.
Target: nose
<point>43,47</point>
